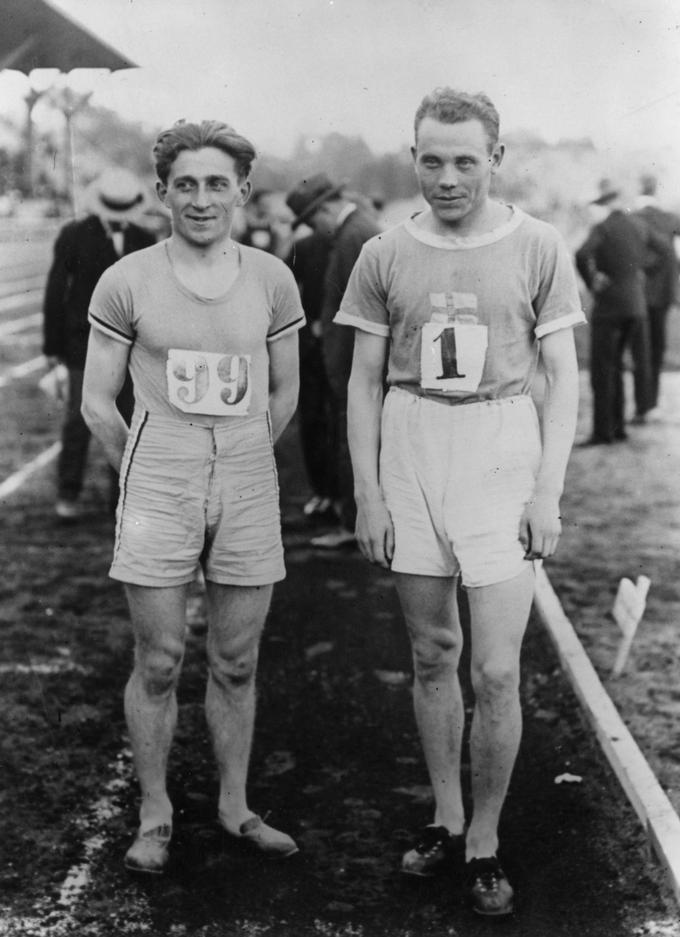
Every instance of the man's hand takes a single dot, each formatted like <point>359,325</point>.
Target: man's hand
<point>540,526</point>
<point>375,533</point>
<point>600,282</point>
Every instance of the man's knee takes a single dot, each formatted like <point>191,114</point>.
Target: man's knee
<point>159,667</point>
<point>233,668</point>
<point>435,655</point>
<point>495,683</point>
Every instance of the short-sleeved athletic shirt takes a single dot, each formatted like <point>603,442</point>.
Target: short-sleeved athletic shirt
<point>198,359</point>
<point>463,315</point>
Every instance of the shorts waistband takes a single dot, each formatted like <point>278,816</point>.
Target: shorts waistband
<point>177,426</point>
<point>418,394</point>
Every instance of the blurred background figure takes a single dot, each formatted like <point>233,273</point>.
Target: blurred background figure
<point>308,260</point>
<point>267,223</point>
<point>323,205</point>
<point>611,262</point>
<point>84,248</point>
<point>661,284</point>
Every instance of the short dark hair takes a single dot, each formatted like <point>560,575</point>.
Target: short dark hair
<point>454,107</point>
<point>195,136</point>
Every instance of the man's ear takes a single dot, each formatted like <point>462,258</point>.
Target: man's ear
<point>161,191</point>
<point>497,156</point>
<point>246,189</point>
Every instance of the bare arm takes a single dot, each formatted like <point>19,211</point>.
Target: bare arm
<point>540,527</point>
<point>375,534</point>
<point>105,369</point>
<point>284,381</point>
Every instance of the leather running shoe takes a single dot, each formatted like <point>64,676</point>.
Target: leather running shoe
<point>491,892</point>
<point>265,839</point>
<point>149,851</point>
<point>435,849</point>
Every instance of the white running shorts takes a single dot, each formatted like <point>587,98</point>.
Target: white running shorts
<point>456,480</point>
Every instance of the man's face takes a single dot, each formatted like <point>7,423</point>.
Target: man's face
<point>454,164</point>
<point>202,193</point>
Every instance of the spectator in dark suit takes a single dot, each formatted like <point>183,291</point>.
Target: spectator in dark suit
<point>661,284</point>
<point>331,212</point>
<point>82,252</point>
<point>308,260</point>
<point>612,262</point>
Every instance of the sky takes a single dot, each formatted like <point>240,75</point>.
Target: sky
<point>276,69</point>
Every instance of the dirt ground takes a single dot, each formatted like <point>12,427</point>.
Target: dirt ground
<point>622,518</point>
<point>336,760</point>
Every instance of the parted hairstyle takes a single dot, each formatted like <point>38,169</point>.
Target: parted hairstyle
<point>195,136</point>
<point>454,107</point>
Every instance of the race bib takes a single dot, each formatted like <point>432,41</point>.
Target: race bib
<point>209,383</point>
<point>454,344</point>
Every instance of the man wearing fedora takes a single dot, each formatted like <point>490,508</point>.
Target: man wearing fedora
<point>84,249</point>
<point>330,211</point>
<point>612,263</point>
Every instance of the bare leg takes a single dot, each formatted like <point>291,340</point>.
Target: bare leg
<point>236,616</point>
<point>499,615</point>
<point>430,608</point>
<point>158,621</point>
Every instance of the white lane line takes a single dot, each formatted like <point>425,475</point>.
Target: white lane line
<point>63,663</point>
<point>46,668</point>
<point>20,325</point>
<point>649,800</point>
<point>15,287</point>
<point>22,370</point>
<point>22,339</point>
<point>14,482</point>
<point>79,875</point>
<point>60,921</point>
<point>19,300</point>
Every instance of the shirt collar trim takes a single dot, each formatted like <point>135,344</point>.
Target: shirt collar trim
<point>466,243</point>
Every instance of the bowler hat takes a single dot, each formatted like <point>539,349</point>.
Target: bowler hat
<point>116,195</point>
<point>309,195</point>
<point>608,192</point>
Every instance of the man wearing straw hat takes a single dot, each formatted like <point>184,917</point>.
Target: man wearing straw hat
<point>84,249</point>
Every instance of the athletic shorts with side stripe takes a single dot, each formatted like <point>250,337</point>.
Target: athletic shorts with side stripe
<point>456,480</point>
<point>193,494</point>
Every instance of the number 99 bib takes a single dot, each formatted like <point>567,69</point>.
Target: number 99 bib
<point>209,383</point>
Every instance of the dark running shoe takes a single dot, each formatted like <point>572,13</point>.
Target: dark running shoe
<point>489,888</point>
<point>435,849</point>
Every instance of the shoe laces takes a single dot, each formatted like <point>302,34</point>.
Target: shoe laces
<point>432,839</point>
<point>486,874</point>
<point>162,832</point>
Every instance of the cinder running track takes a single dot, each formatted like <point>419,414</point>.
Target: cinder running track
<point>336,760</point>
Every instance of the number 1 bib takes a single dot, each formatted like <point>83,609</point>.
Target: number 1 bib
<point>453,346</point>
<point>209,383</point>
